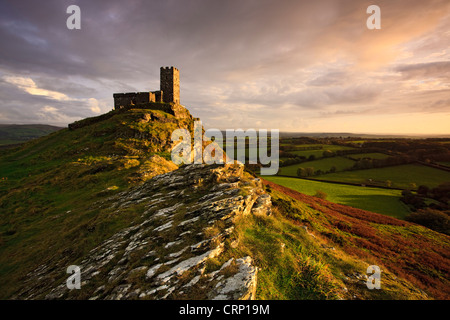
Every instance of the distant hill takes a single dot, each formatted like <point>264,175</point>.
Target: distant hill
<point>284,134</point>
<point>344,135</point>
<point>19,133</point>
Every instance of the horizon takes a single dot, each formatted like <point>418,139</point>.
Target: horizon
<point>295,66</point>
<point>399,135</point>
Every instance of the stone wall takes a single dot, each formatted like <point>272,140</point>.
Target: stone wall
<point>158,96</point>
<point>122,100</point>
<point>126,100</point>
<point>143,97</point>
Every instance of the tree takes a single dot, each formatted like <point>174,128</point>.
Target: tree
<point>442,192</point>
<point>433,219</point>
<point>301,172</point>
<point>412,186</point>
<point>413,200</point>
<point>310,171</point>
<point>367,163</point>
<point>423,190</point>
<point>328,154</point>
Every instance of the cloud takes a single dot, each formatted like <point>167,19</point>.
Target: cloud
<point>29,103</point>
<point>29,86</point>
<point>275,63</point>
<point>330,78</point>
<point>436,69</point>
<point>50,114</point>
<point>94,105</point>
<point>49,109</point>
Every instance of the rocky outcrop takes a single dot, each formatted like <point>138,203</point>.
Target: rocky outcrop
<point>186,219</point>
<point>263,205</point>
<point>241,285</point>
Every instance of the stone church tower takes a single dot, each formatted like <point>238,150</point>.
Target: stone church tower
<point>169,92</point>
<point>170,84</point>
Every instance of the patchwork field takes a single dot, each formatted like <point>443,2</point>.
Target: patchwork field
<point>385,201</point>
<point>325,164</point>
<point>370,156</point>
<point>401,176</point>
<point>317,152</point>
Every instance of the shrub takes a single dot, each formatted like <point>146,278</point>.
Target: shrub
<point>442,192</point>
<point>328,154</point>
<point>423,190</point>
<point>310,171</point>
<point>412,186</point>
<point>433,219</point>
<point>320,194</point>
<point>301,172</point>
<point>415,201</point>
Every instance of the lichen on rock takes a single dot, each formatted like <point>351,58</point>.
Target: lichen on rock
<point>187,216</point>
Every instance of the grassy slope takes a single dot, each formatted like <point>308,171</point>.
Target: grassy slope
<point>412,258</point>
<point>401,176</point>
<point>50,184</point>
<point>384,201</point>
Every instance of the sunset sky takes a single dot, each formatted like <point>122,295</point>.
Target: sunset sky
<point>304,66</point>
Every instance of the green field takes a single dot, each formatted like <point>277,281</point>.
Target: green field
<point>316,145</point>
<point>318,153</point>
<point>322,164</point>
<point>385,201</point>
<point>400,176</point>
<point>447,164</point>
<point>332,147</point>
<point>308,153</point>
<point>370,156</point>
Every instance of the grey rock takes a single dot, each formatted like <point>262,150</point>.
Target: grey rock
<point>242,285</point>
<point>167,239</point>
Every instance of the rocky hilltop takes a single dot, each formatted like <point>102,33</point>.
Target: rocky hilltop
<point>186,219</point>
